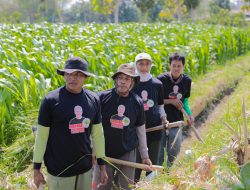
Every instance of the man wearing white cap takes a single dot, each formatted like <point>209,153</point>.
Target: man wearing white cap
<point>150,90</point>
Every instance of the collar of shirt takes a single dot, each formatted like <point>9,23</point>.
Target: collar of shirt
<point>145,77</point>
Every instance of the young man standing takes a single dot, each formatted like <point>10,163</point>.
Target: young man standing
<point>123,122</point>
<point>177,87</point>
<point>150,90</point>
<point>67,118</point>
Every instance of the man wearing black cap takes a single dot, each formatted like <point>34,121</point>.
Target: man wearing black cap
<point>67,118</point>
<point>123,121</point>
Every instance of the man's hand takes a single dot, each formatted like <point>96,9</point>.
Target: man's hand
<point>148,162</point>
<point>103,175</point>
<point>177,103</point>
<point>38,178</point>
<point>165,124</point>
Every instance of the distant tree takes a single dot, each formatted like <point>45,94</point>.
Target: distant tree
<point>214,8</point>
<point>191,5</point>
<point>145,6</point>
<point>172,10</point>
<point>129,12</point>
<point>224,4</point>
<point>108,7</point>
<point>155,11</point>
<point>246,6</point>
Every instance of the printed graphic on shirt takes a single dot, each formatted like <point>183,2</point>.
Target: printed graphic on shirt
<point>79,123</point>
<point>147,103</point>
<point>175,94</point>
<point>119,120</point>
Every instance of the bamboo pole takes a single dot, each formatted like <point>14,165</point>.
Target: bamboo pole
<point>170,125</point>
<point>134,165</point>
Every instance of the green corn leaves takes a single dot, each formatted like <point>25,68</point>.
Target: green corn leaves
<point>31,53</point>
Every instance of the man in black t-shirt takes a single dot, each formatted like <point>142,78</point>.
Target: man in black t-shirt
<point>151,91</point>
<point>67,118</point>
<point>123,122</point>
<point>177,87</point>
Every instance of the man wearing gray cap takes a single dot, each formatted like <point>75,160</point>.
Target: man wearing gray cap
<point>68,116</point>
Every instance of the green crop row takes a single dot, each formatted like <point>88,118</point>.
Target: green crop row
<point>31,53</point>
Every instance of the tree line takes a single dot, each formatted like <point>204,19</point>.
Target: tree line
<point>115,11</point>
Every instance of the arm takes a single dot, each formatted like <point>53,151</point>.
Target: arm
<point>39,151</point>
<point>163,116</point>
<point>98,142</point>
<point>99,149</point>
<point>175,102</point>
<point>186,106</point>
<point>189,112</point>
<point>143,149</point>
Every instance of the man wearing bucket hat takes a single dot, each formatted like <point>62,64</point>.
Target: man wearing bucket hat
<point>123,122</point>
<point>153,107</point>
<point>68,116</point>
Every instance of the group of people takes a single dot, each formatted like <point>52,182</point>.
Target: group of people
<point>78,128</point>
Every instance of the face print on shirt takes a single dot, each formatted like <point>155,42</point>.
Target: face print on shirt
<point>175,94</point>
<point>78,123</point>
<point>147,103</point>
<point>119,120</point>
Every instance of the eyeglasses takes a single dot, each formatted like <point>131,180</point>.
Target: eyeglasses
<point>126,79</point>
<point>75,75</point>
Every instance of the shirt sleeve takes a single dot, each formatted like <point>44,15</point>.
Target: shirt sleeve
<point>186,106</point>
<point>188,88</point>
<point>98,142</point>
<point>160,94</point>
<point>41,140</point>
<point>98,117</point>
<point>140,120</point>
<point>143,149</point>
<point>164,93</point>
<point>44,117</point>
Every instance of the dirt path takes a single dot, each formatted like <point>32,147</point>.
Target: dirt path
<point>202,128</point>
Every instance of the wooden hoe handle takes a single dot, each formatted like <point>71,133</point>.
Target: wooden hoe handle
<point>170,125</point>
<point>132,164</point>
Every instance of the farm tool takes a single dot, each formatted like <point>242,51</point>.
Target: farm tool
<point>134,165</point>
<point>197,135</point>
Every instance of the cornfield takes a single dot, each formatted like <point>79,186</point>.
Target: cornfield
<point>31,53</point>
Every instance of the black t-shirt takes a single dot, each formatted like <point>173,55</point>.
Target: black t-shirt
<point>120,116</point>
<point>175,89</point>
<point>151,93</point>
<point>70,118</point>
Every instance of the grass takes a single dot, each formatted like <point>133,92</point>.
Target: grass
<point>30,54</point>
<point>216,136</point>
<point>18,156</point>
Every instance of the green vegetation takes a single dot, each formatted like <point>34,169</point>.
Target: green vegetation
<point>226,173</point>
<point>31,53</point>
